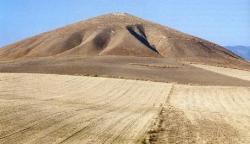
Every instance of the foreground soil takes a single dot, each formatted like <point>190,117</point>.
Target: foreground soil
<point>44,109</point>
<point>48,108</point>
<point>141,68</point>
<point>204,115</point>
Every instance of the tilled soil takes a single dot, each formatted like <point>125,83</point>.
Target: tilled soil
<point>203,115</point>
<point>38,108</point>
<point>48,108</point>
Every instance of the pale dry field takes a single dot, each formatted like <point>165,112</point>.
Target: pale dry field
<point>208,115</point>
<point>241,74</point>
<point>205,114</point>
<point>46,108</point>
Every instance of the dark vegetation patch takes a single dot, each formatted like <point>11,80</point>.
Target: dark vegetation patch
<point>74,40</point>
<point>102,39</point>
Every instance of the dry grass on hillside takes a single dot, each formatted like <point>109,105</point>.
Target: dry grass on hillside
<point>123,35</point>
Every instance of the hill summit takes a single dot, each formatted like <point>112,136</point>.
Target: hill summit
<point>117,34</point>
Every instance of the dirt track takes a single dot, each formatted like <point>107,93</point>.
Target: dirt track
<point>37,108</point>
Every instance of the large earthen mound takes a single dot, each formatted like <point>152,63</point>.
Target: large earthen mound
<point>118,34</point>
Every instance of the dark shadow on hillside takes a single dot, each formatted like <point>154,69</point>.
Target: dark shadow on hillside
<point>140,35</point>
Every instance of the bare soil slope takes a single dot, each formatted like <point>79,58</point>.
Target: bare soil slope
<point>119,34</point>
<point>121,45</point>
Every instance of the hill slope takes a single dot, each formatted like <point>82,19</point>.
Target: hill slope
<point>117,34</point>
<point>243,51</point>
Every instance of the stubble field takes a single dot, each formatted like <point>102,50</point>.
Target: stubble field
<point>40,108</point>
<point>206,115</point>
<point>47,108</point>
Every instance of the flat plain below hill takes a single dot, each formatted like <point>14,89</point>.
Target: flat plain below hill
<point>49,108</point>
<point>128,67</point>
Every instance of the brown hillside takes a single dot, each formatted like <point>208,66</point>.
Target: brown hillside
<point>117,34</point>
